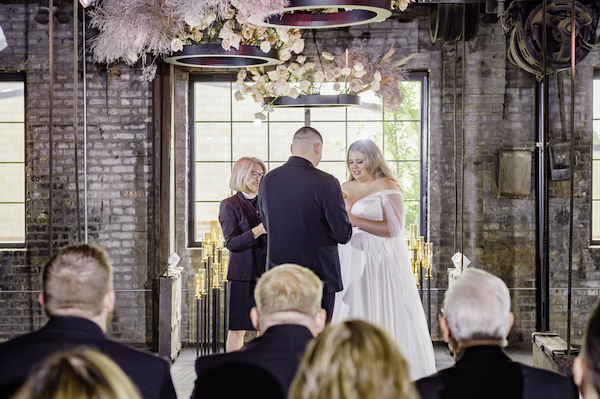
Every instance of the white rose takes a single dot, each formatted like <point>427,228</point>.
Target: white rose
<point>234,41</point>
<point>283,72</point>
<point>360,74</point>
<point>265,47</point>
<point>377,76</point>
<point>225,33</point>
<point>241,75</point>
<point>328,56</point>
<point>346,71</point>
<point>298,47</point>
<point>197,35</point>
<point>209,18</point>
<point>375,85</point>
<point>239,96</point>
<point>285,54</point>
<point>355,85</point>
<point>293,93</point>
<point>239,82</point>
<point>193,20</point>
<point>299,72</point>
<point>257,98</point>
<point>273,75</point>
<point>304,86</point>
<point>283,35</point>
<point>247,89</point>
<point>247,33</point>
<point>359,67</point>
<point>176,44</point>
<point>403,5</point>
<point>282,89</point>
<point>319,77</point>
<point>230,13</point>
<point>132,56</point>
<point>225,44</point>
<point>301,59</point>
<point>309,65</point>
<point>330,75</point>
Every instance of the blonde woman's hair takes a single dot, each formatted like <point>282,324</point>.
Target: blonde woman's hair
<point>374,160</point>
<point>80,373</point>
<point>75,280</point>
<point>353,360</point>
<point>288,287</point>
<point>241,169</point>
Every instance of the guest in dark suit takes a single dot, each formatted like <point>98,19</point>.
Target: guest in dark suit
<point>244,237</point>
<point>288,311</point>
<point>78,297</point>
<point>304,214</point>
<point>586,367</point>
<point>476,322</point>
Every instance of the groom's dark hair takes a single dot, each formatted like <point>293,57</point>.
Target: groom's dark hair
<point>307,132</point>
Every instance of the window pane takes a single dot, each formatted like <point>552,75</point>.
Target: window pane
<point>402,140</point>
<point>251,141</point>
<point>407,174</point>
<point>411,105</point>
<point>273,165</point>
<point>12,103</point>
<point>596,179</point>
<point>212,181</point>
<point>205,212</point>
<point>334,139</point>
<point>288,115</point>
<point>12,223</point>
<point>12,181</point>
<point>365,130</point>
<point>338,169</point>
<point>280,140</point>
<point>212,141</point>
<point>243,110</point>
<point>329,114</point>
<point>596,99</point>
<point>12,137</point>
<point>212,101</point>
<point>411,214</point>
<point>369,109</point>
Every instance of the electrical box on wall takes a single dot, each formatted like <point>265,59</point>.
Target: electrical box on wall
<point>513,173</point>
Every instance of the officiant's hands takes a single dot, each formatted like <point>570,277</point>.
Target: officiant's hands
<point>258,231</point>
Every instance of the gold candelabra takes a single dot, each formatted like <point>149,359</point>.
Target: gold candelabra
<point>421,256</point>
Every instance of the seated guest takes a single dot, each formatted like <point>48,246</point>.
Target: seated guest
<point>77,295</point>
<point>586,367</point>
<point>353,359</point>
<point>476,321</point>
<point>288,312</point>
<point>80,373</point>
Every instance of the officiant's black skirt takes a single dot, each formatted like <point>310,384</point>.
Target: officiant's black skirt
<point>241,300</point>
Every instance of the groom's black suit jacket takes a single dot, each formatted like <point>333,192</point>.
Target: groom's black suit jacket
<point>303,211</point>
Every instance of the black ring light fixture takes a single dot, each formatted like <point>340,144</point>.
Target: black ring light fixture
<point>301,14</point>
<point>215,56</point>
<point>315,101</point>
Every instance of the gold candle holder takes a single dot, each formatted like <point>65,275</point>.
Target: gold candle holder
<point>200,284</point>
<point>216,280</point>
<point>413,236</point>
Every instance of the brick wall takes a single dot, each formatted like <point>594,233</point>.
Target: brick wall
<point>499,233</point>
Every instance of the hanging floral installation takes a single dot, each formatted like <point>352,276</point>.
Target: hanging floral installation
<point>356,71</point>
<point>134,29</point>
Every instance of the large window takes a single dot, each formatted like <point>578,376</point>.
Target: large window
<point>595,214</point>
<point>223,130</point>
<point>12,160</point>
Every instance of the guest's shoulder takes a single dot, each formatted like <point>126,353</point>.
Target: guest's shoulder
<point>123,352</point>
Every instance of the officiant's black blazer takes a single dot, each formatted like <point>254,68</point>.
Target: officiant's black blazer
<point>487,372</point>
<point>246,253</point>
<point>303,211</point>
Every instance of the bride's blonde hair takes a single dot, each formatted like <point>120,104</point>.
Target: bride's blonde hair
<point>374,160</point>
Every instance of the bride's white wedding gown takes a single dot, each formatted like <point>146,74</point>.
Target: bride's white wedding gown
<point>379,286</point>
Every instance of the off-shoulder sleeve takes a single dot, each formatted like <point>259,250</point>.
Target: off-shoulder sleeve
<point>393,207</point>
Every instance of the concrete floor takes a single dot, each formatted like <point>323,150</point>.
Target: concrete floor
<point>184,374</point>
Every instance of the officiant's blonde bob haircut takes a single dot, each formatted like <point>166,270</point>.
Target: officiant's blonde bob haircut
<point>477,308</point>
<point>353,359</point>
<point>374,160</point>
<point>288,287</point>
<point>241,171</point>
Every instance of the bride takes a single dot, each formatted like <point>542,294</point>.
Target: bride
<point>378,282</point>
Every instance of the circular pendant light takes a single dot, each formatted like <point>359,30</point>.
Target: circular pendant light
<point>314,101</point>
<point>215,56</point>
<point>305,14</point>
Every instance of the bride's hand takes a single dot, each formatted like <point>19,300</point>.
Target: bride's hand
<point>353,219</point>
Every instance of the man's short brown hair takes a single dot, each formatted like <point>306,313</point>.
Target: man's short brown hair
<point>75,280</point>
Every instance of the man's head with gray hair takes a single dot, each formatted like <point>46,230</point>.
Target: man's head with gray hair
<point>476,311</point>
<point>289,294</point>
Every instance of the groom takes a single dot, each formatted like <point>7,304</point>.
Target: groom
<point>303,211</point>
